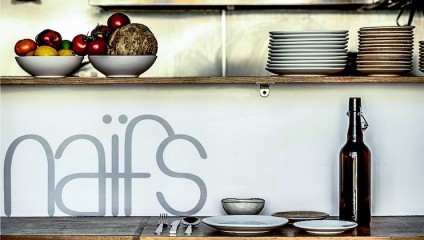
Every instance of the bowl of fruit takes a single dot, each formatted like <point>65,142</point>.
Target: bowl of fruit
<point>116,49</point>
<point>124,49</point>
<point>47,56</point>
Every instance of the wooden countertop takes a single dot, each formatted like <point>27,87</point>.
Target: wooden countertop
<point>207,80</point>
<point>117,228</point>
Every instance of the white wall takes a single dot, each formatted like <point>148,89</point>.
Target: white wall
<point>193,45</point>
<point>283,148</point>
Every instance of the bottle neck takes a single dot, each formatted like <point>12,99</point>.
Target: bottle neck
<point>354,133</point>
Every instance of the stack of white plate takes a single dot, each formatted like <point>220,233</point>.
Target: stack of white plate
<point>385,51</point>
<point>307,52</point>
<point>422,56</point>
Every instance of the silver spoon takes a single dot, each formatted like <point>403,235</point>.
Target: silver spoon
<point>189,222</point>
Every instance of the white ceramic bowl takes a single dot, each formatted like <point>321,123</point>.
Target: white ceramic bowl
<point>122,66</point>
<point>49,66</point>
<point>243,206</point>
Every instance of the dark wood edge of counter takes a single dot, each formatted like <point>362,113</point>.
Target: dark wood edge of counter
<point>81,237</point>
<point>208,80</point>
<point>141,228</point>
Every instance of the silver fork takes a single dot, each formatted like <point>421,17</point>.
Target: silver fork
<point>162,222</point>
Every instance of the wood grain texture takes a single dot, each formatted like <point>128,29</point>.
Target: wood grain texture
<point>205,80</point>
<point>126,228</point>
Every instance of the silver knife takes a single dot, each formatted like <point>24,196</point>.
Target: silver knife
<point>174,227</point>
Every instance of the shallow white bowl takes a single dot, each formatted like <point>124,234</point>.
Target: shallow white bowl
<point>49,66</point>
<point>243,206</point>
<point>122,66</point>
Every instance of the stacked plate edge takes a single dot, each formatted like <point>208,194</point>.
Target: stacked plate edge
<point>422,56</point>
<point>307,52</point>
<point>385,51</point>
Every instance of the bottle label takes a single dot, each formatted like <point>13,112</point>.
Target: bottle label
<point>355,185</point>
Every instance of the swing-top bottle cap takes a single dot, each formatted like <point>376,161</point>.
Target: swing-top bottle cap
<point>355,104</point>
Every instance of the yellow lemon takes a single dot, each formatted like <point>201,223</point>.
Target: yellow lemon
<point>45,51</point>
<point>30,53</point>
<point>66,52</point>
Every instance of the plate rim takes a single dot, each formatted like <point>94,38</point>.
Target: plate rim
<point>278,222</point>
<point>276,32</point>
<point>301,225</point>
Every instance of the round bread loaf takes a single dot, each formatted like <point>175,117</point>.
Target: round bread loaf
<point>132,39</point>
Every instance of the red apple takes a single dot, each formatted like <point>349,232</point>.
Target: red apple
<point>118,20</point>
<point>50,38</point>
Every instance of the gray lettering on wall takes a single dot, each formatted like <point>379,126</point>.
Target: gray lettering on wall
<point>100,175</point>
<point>55,192</point>
<point>8,168</point>
<point>169,172</point>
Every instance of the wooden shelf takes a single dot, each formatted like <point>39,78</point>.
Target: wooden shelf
<point>117,228</point>
<point>207,80</point>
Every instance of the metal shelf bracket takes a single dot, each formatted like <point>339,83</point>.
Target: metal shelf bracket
<point>264,89</point>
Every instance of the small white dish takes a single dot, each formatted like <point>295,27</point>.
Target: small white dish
<point>245,224</point>
<point>325,226</point>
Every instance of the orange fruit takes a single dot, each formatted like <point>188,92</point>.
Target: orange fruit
<point>24,46</point>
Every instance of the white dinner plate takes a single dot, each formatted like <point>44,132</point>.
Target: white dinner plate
<point>295,36</point>
<point>309,39</point>
<point>308,54</point>
<point>302,43</point>
<point>309,32</point>
<point>308,61</point>
<point>245,224</point>
<point>314,58</point>
<point>321,46</point>
<point>305,71</point>
<point>296,50</point>
<point>306,65</point>
<point>325,226</point>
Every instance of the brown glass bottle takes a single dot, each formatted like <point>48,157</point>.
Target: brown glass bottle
<point>355,171</point>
